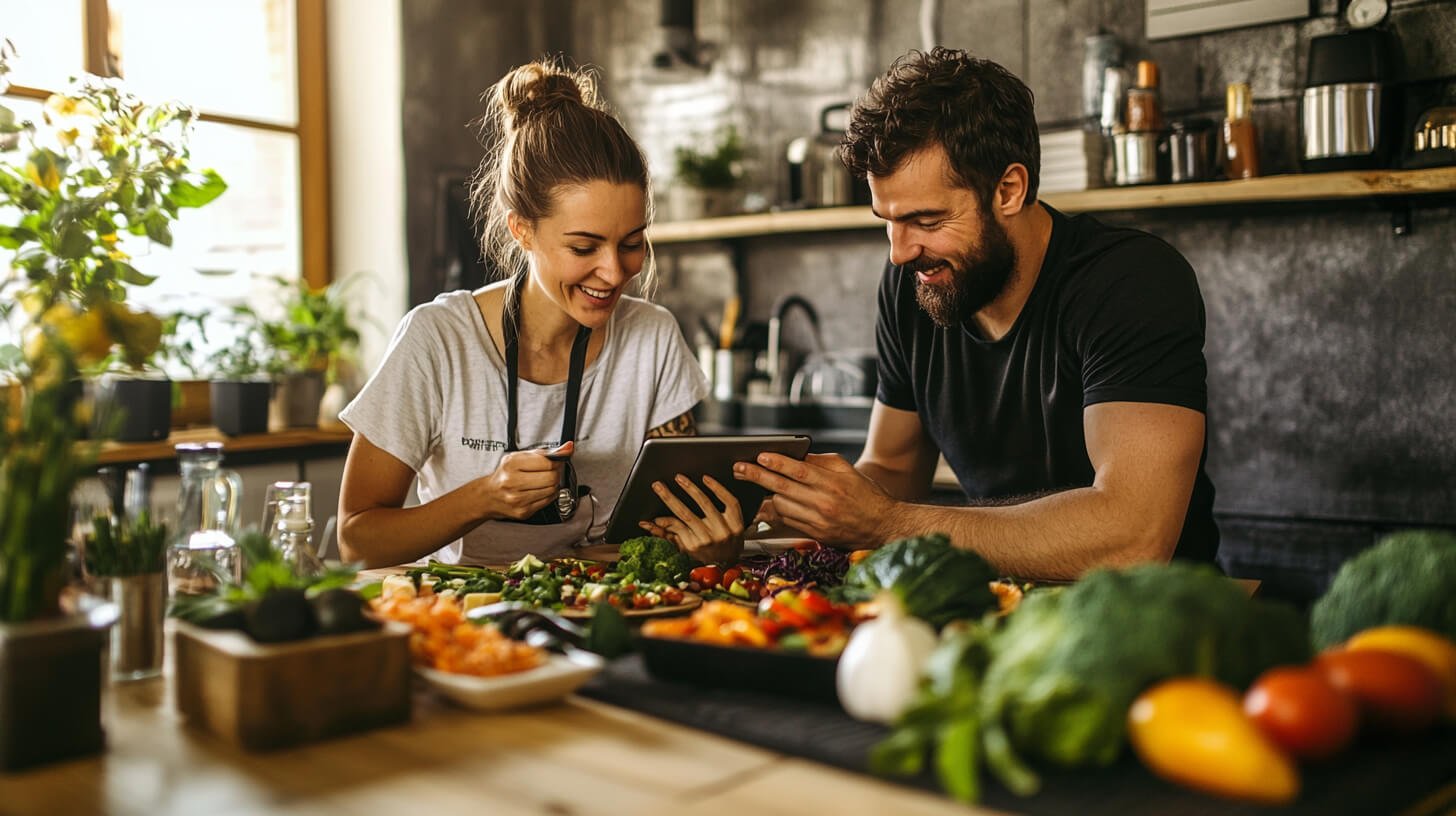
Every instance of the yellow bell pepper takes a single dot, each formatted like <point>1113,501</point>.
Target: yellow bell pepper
<point>1193,732</point>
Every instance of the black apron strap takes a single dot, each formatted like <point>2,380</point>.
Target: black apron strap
<point>510,328</point>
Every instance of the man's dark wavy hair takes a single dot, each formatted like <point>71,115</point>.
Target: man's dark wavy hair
<point>977,110</point>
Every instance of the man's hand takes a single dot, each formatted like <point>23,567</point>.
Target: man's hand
<point>824,496</point>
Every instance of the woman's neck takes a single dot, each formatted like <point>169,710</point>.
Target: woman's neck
<point>545,326</point>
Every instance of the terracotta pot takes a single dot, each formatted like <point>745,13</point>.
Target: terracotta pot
<point>296,400</point>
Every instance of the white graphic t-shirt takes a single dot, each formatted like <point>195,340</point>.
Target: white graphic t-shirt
<point>438,404</point>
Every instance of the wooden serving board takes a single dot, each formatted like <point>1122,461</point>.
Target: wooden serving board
<point>262,696</point>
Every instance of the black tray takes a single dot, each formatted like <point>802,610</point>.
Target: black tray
<point>771,671</point>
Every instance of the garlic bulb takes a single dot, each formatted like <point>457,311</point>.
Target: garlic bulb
<point>879,671</point>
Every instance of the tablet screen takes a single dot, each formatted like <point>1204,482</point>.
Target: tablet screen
<point>661,459</point>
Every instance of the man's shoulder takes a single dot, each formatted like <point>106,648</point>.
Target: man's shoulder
<point>1095,255</point>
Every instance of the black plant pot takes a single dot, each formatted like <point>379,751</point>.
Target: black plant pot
<point>241,407</point>
<point>50,691</point>
<point>130,410</point>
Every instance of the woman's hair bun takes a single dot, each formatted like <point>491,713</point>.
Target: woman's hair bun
<point>535,89</point>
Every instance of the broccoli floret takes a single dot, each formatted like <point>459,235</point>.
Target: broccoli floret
<point>653,559</point>
<point>1408,578</point>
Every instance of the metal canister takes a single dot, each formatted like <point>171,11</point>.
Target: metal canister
<point>1102,51</point>
<point>1190,149</point>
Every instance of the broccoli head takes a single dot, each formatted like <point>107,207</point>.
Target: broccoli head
<point>1408,578</point>
<point>653,559</point>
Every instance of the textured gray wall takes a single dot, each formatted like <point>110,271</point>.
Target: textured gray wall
<point>1329,338</point>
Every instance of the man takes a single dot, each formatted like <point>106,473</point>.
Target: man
<point>1056,362</point>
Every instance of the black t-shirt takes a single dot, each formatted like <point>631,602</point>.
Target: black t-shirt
<point>1115,316</point>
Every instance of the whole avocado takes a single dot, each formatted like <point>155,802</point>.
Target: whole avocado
<point>340,610</point>
<point>1408,578</point>
<point>280,616</point>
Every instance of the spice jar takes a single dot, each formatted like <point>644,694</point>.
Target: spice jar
<point>1144,111</point>
<point>1240,139</point>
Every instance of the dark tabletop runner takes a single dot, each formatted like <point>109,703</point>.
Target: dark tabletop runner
<point>1386,779</point>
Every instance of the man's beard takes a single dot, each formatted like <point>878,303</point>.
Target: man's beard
<point>972,283</point>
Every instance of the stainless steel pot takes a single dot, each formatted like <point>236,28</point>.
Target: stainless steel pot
<point>1341,120</point>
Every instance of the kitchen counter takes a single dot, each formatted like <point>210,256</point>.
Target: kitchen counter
<point>575,757</point>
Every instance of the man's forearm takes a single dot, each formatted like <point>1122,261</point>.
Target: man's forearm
<point>903,486</point>
<point>1060,535</point>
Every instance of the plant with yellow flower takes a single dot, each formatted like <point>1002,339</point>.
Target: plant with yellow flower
<point>103,170</point>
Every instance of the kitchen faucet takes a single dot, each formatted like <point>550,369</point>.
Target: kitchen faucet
<point>777,378</point>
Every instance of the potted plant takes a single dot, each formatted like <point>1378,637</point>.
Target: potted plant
<point>708,178</point>
<point>183,352</point>
<point>129,556</point>
<point>242,381</point>
<point>102,174</point>
<point>101,171</point>
<point>316,334</point>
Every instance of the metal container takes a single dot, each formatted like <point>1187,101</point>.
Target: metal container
<point>136,640</point>
<point>1341,120</point>
<point>1138,158</point>
<point>1190,151</point>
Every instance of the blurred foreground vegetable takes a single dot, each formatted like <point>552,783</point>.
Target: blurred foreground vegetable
<point>1408,578</point>
<point>1302,711</point>
<point>1436,652</point>
<point>937,582</point>
<point>1193,732</point>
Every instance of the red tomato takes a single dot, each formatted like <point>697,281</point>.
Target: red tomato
<point>672,595</point>
<point>1395,692</point>
<point>816,603</point>
<point>641,601</point>
<point>1301,711</point>
<point>730,575</point>
<point>708,576</point>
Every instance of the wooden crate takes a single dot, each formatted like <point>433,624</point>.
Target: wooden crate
<point>263,696</point>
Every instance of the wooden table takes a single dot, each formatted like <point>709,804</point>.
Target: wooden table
<point>574,757</point>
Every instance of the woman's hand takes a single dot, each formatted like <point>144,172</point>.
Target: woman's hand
<point>524,482</point>
<point>715,536</point>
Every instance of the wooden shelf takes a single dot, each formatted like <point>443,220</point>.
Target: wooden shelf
<point>118,452</point>
<point>1355,184</point>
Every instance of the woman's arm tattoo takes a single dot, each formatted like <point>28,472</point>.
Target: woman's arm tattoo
<point>683,425</point>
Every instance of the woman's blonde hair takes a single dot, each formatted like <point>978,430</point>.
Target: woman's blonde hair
<point>545,128</point>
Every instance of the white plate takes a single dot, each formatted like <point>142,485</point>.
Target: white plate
<point>559,676</point>
<point>774,546</point>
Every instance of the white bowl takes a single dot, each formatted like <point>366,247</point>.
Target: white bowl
<point>559,676</point>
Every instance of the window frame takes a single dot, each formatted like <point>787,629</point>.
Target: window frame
<point>311,127</point>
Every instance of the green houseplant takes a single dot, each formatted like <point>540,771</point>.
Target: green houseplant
<point>242,378</point>
<point>102,171</point>
<point>708,177</point>
<point>316,334</point>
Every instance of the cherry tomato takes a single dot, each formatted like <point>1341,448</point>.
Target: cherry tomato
<point>752,587</point>
<point>707,576</point>
<point>1395,692</point>
<point>1301,711</point>
<point>641,601</point>
<point>730,575</point>
<point>672,595</point>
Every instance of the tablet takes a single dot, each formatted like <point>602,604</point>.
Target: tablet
<point>662,458</point>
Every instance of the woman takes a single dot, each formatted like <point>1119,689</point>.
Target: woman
<point>520,407</point>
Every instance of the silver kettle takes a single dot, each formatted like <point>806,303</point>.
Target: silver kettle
<point>816,176</point>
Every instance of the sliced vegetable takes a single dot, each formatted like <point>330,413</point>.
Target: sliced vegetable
<point>1193,732</point>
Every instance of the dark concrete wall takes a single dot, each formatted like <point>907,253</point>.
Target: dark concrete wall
<point>1330,339</point>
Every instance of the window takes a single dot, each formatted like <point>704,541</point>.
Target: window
<point>254,70</point>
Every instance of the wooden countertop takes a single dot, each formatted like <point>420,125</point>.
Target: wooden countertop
<point>575,757</point>
<point>115,452</point>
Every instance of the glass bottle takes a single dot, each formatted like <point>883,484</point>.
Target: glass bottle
<point>203,552</point>
<point>1240,139</point>
<point>1144,110</point>
<point>292,532</point>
